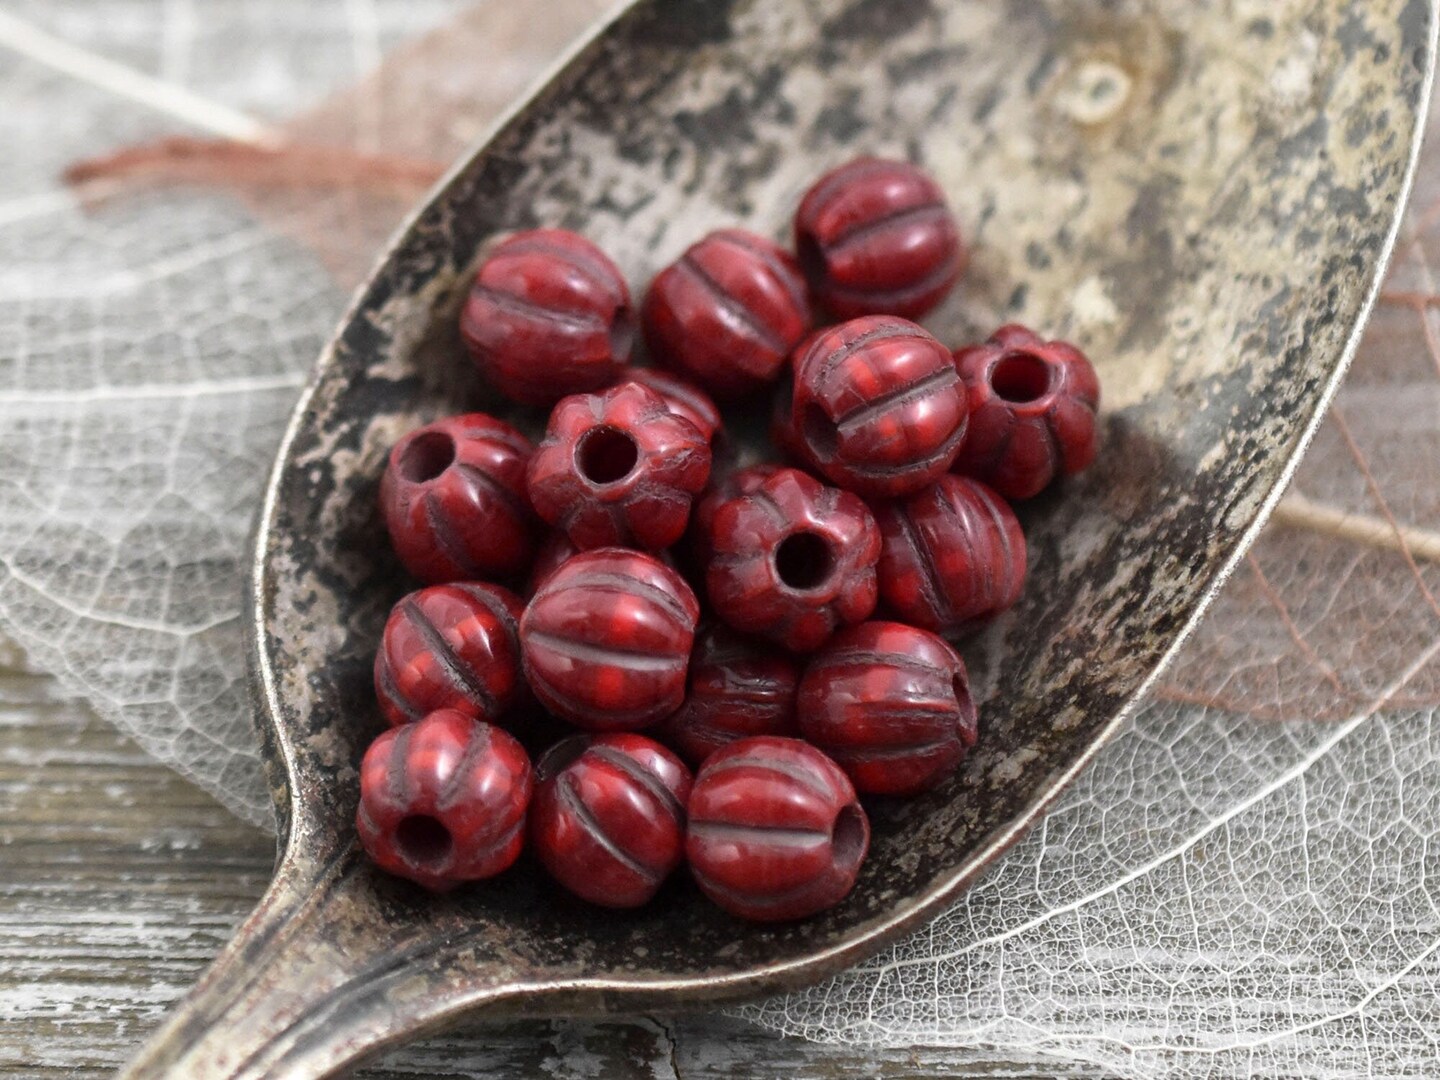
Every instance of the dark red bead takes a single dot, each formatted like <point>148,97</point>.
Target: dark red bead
<point>608,821</point>
<point>739,688</point>
<point>450,647</point>
<point>443,801</point>
<point>891,704</point>
<point>875,237</point>
<point>548,315</point>
<point>727,313</point>
<point>684,398</point>
<point>775,831</point>
<point>607,640</point>
<point>793,560</point>
<point>879,406</point>
<point>619,469</point>
<point>733,483</point>
<point>952,555</point>
<point>1032,411</point>
<point>454,500</point>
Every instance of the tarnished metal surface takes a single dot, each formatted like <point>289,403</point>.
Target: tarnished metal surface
<point>1201,194</point>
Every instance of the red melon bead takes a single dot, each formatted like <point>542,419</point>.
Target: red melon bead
<point>952,556</point>
<point>1032,411</point>
<point>607,640</point>
<point>879,406</point>
<point>619,469</point>
<point>548,315</point>
<point>443,801</point>
<point>739,688</point>
<point>891,704</point>
<point>454,500</point>
<point>683,398</point>
<point>793,560</point>
<point>737,482</point>
<point>876,237</point>
<point>727,313</point>
<point>608,821</point>
<point>450,647</point>
<point>775,831</point>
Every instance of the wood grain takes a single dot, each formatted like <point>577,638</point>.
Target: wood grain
<point>119,881</point>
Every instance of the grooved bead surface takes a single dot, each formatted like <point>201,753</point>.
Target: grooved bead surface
<point>738,482</point>
<point>455,503</point>
<point>775,831</point>
<point>557,550</point>
<point>891,704</point>
<point>739,688</point>
<point>607,640</point>
<point>727,313</point>
<point>757,587</point>
<point>450,647</point>
<point>879,406</point>
<point>619,469</point>
<point>1047,426</point>
<point>875,237</point>
<point>548,315</point>
<point>952,556</point>
<point>683,398</point>
<point>608,821</point>
<point>443,801</point>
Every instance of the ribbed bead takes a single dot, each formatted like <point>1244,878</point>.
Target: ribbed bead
<point>607,640</point>
<point>455,503</point>
<point>443,801</point>
<point>876,237</point>
<point>450,647</point>
<point>608,821</point>
<point>739,688</point>
<point>548,315</point>
<point>891,704</point>
<point>952,556</point>
<point>879,406</point>
<point>793,560</point>
<point>1033,407</point>
<point>775,831</point>
<point>619,468</point>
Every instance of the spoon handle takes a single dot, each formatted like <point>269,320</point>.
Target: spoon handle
<point>311,983</point>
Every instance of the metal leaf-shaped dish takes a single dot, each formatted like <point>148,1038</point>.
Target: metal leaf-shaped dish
<point>1202,194</point>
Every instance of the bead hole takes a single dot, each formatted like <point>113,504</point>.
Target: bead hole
<point>847,837</point>
<point>819,432</point>
<point>622,333</point>
<point>423,840</point>
<point>1020,377</point>
<point>427,456</point>
<point>606,454</point>
<point>804,561</point>
<point>961,686</point>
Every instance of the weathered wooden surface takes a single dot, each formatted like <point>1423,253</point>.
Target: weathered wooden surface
<point>119,881</point>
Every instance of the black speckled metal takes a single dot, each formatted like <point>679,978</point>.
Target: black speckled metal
<point>1202,194</point>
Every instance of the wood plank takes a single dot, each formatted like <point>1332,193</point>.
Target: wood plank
<point>119,881</point>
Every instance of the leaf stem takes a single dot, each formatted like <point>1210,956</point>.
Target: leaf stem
<point>1298,512</point>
